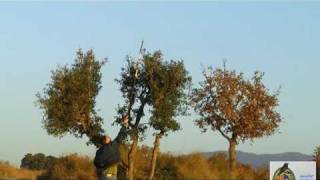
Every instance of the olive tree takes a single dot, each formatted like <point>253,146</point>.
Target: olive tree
<point>168,82</point>
<point>68,101</point>
<point>155,85</point>
<point>136,93</point>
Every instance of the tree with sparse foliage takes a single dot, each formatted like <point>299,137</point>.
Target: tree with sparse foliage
<point>68,101</point>
<point>168,82</point>
<point>239,109</point>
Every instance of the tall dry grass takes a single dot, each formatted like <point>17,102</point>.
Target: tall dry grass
<point>169,167</point>
<point>8,171</point>
<point>194,166</point>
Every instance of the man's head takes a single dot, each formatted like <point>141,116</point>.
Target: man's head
<point>106,139</point>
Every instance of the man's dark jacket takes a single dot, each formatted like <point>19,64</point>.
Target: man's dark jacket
<point>109,154</point>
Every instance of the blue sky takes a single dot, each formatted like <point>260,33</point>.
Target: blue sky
<point>280,39</point>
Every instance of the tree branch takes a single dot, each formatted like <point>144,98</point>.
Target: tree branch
<point>131,102</point>
<point>223,134</point>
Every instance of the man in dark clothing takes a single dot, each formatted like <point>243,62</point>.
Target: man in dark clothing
<point>108,154</point>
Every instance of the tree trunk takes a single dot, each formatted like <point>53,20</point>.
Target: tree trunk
<point>155,152</point>
<point>132,155</point>
<point>232,158</point>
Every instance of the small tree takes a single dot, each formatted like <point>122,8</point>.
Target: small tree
<point>136,93</point>
<point>168,82</point>
<point>143,84</point>
<point>68,101</point>
<point>237,108</point>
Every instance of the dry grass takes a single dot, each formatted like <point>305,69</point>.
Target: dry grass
<point>9,171</point>
<point>194,166</point>
<point>169,167</point>
<point>71,167</point>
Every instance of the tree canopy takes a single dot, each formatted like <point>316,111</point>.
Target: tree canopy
<point>168,82</point>
<point>68,101</point>
<point>239,109</point>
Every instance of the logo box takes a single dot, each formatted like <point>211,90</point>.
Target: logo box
<point>292,170</point>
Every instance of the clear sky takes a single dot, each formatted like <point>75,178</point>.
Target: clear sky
<point>280,39</point>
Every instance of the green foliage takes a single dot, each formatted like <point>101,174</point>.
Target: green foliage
<point>167,82</point>
<point>37,161</point>
<point>156,84</point>
<point>136,94</point>
<point>160,85</point>
<point>68,101</point>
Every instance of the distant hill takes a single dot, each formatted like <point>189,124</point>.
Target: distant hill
<point>258,160</point>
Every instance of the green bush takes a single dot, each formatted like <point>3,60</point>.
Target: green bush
<point>37,161</point>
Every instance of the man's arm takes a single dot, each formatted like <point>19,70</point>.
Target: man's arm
<point>124,130</point>
<point>122,134</point>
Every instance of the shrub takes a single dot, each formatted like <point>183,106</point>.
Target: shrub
<point>71,167</point>
<point>37,161</point>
